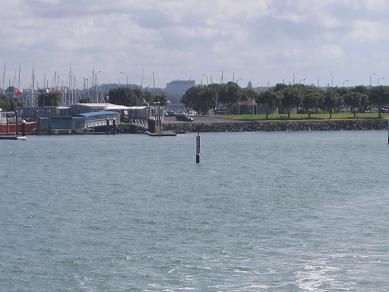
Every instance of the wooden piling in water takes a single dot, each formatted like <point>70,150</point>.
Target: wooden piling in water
<point>198,148</point>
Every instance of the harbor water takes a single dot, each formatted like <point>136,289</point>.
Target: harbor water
<point>291,211</point>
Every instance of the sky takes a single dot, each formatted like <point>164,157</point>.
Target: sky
<point>262,41</point>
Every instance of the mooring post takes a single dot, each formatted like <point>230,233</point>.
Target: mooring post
<point>6,118</point>
<point>49,122</point>
<point>114,126</point>
<point>388,131</point>
<point>24,128</point>
<point>37,124</point>
<point>198,147</point>
<point>107,120</point>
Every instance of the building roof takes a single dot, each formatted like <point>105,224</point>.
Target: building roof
<point>137,107</point>
<point>105,106</point>
<point>99,114</point>
<point>101,105</point>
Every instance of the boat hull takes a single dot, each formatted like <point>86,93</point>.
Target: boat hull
<point>11,128</point>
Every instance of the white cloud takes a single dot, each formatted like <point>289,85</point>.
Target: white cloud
<point>329,52</point>
<point>179,38</point>
<point>365,30</point>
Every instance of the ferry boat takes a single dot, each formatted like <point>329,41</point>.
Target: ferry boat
<point>8,124</point>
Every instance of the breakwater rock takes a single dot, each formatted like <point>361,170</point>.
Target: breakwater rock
<point>125,128</point>
<point>269,126</point>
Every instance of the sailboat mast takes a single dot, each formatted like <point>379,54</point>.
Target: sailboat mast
<point>19,79</point>
<point>70,87</point>
<point>141,84</point>
<point>74,89</point>
<point>44,81</point>
<point>4,78</point>
<point>33,88</point>
<point>153,83</point>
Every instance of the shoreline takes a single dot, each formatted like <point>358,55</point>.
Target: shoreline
<point>279,126</point>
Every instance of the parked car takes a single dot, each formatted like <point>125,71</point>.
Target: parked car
<point>184,117</point>
<point>170,114</point>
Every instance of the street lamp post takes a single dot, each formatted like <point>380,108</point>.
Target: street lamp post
<point>301,81</point>
<point>379,79</point>
<point>125,74</point>
<point>345,81</point>
<point>371,75</point>
<point>96,94</point>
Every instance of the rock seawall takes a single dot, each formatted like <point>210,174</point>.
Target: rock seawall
<point>270,126</point>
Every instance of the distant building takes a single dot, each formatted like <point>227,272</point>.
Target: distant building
<point>10,91</point>
<point>177,88</point>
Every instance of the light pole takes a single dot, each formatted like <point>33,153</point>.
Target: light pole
<point>301,81</point>
<point>96,94</point>
<point>125,74</point>
<point>371,75</point>
<point>345,81</point>
<point>379,79</point>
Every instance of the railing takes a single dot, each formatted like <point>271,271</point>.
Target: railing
<point>138,122</point>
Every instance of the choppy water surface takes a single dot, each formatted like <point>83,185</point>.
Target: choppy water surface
<point>263,211</point>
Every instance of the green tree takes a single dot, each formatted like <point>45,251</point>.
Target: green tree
<point>269,100</point>
<point>361,89</point>
<point>200,98</point>
<point>160,97</point>
<point>332,102</point>
<point>9,103</point>
<point>233,94</point>
<point>354,101</point>
<point>49,99</point>
<point>123,96</point>
<point>379,96</point>
<point>249,94</point>
<point>280,87</point>
<point>311,97</point>
<point>291,98</point>
<point>84,100</point>
<point>310,103</point>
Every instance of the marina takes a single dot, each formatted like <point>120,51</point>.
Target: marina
<point>194,146</point>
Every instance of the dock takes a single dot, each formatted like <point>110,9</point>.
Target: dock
<point>8,137</point>
<point>161,134</point>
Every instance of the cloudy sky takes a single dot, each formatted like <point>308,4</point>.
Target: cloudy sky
<point>258,40</point>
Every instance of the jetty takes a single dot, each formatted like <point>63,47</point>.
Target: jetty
<point>9,137</point>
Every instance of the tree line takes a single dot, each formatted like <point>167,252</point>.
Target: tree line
<point>135,96</point>
<point>288,98</point>
<point>121,96</point>
<point>9,103</point>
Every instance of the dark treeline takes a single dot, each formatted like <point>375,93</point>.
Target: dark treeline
<point>49,99</point>
<point>135,96</point>
<point>9,103</point>
<point>288,98</point>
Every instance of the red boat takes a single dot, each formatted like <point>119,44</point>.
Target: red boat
<point>8,124</point>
